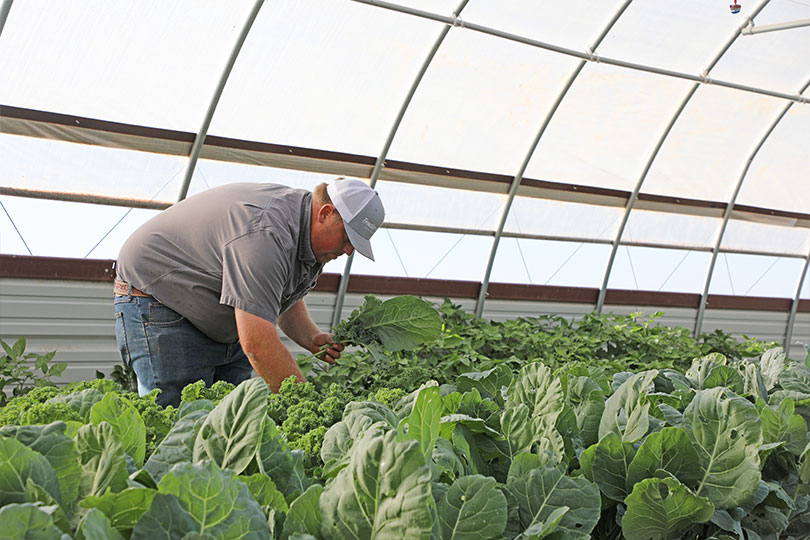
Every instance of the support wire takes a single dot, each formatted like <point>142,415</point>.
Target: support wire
<point>15,228</point>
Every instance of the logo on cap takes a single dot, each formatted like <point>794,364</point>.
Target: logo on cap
<point>371,227</point>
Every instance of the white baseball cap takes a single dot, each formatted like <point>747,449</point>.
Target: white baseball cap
<point>360,208</point>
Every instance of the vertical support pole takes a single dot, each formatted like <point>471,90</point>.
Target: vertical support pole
<point>212,106</point>
<point>794,307</point>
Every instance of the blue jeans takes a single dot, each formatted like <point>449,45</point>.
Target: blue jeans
<point>168,352</point>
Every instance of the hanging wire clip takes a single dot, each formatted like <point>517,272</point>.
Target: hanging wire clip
<point>457,21</point>
<point>592,56</point>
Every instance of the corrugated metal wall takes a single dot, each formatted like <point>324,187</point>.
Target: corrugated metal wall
<point>75,318</point>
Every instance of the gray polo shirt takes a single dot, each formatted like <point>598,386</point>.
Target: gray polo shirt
<point>243,246</point>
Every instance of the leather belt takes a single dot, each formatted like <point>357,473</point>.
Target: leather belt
<point>122,288</point>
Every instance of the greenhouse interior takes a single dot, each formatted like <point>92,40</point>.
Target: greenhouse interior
<point>587,313</point>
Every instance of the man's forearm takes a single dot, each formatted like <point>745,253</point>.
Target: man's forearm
<point>267,354</point>
<point>298,325</point>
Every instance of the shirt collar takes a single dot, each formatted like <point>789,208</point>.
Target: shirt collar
<point>305,253</point>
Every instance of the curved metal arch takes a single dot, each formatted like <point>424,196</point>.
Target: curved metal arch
<point>378,165</point>
<point>794,307</point>
<point>5,7</point>
<point>590,56</point>
<point>482,293</point>
<point>212,106</point>
<point>730,208</point>
<point>634,196</point>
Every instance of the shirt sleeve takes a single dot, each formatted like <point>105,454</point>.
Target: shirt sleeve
<point>255,270</point>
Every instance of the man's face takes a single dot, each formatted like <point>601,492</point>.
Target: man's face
<point>328,236</point>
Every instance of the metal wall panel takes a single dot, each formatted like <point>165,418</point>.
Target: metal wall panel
<point>75,318</point>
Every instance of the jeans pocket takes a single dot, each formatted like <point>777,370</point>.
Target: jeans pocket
<point>160,315</point>
<point>121,338</point>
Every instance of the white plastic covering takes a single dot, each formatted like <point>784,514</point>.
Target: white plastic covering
<point>331,76</point>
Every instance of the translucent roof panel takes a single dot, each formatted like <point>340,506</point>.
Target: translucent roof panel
<point>545,262</point>
<point>82,230</point>
<point>705,153</point>
<point>42,164</point>
<point>772,60</point>
<point>574,24</point>
<point>655,269</point>
<point>325,75</point>
<point>210,173</point>
<point>606,127</point>
<point>748,236</point>
<point>148,63</point>
<point>755,275</point>
<point>661,228</point>
<point>480,104</point>
<point>778,176</point>
<point>651,34</point>
<point>420,254</point>
<point>563,219</point>
<point>433,206</point>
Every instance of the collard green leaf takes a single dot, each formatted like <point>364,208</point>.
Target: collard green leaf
<point>403,322</point>
<point>384,493</point>
<point>423,422</point>
<point>27,522</point>
<point>204,499</point>
<point>232,431</point>
<point>610,465</point>
<point>102,460</point>
<point>124,508</point>
<point>81,402</point>
<point>725,376</point>
<point>274,457</point>
<point>264,491</point>
<point>769,518</point>
<point>753,382</point>
<point>627,410</point>
<point>18,465</point>
<point>476,425</point>
<point>96,526</point>
<point>126,421</point>
<point>540,492</point>
<point>702,367</point>
<point>661,509</point>
<point>473,508</point>
<point>464,440</point>
<point>177,446</point>
<point>587,400</point>
<point>166,518</point>
<point>57,448</point>
<point>491,382</point>
<point>447,462</point>
<point>304,516</point>
<point>779,424</point>
<point>520,430</point>
<point>536,388</point>
<point>664,453</point>
<point>35,493</point>
<point>772,364</point>
<point>725,431</point>
<point>544,528</point>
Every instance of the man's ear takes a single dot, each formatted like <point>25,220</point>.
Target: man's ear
<point>324,212</point>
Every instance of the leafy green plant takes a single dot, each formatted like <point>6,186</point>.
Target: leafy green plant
<point>17,372</point>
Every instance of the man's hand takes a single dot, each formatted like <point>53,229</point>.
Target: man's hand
<point>330,353</point>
